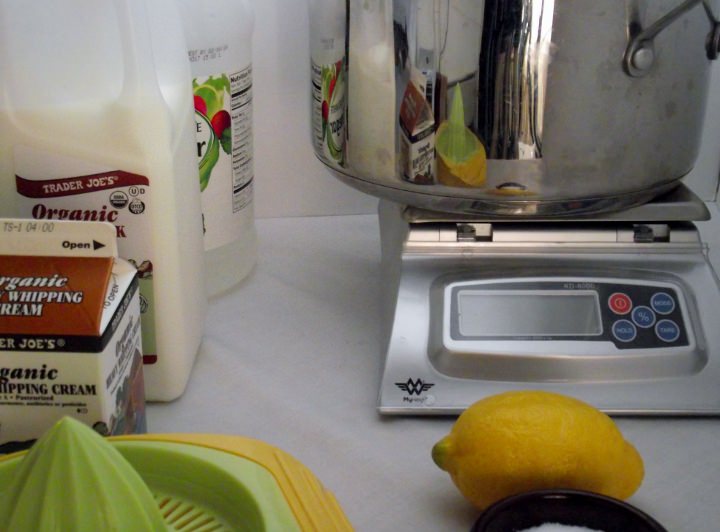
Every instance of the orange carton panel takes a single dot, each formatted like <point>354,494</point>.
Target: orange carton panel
<point>52,295</point>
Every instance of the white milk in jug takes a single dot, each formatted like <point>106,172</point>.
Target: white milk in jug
<point>219,36</point>
<point>371,85</point>
<point>96,124</point>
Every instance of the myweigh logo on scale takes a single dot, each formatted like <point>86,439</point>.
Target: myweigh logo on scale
<point>416,387</point>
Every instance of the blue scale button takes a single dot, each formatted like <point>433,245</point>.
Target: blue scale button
<point>667,330</point>
<point>643,317</point>
<point>624,330</point>
<point>662,303</point>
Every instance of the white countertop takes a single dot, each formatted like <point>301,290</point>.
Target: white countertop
<point>292,357</point>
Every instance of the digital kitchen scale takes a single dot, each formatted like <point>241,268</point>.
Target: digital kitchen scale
<point>620,310</point>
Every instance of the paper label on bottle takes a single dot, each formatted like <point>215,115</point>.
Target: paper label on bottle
<point>223,118</point>
<point>329,111</point>
<point>57,187</point>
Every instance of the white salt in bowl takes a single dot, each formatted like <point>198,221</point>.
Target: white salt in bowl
<point>564,511</point>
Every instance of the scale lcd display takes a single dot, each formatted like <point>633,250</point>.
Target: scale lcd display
<point>517,313</point>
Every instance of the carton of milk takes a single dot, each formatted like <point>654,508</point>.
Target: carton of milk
<point>70,341</point>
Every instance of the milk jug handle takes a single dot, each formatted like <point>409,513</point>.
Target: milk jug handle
<point>139,69</point>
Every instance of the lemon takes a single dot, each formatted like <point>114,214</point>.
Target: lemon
<point>525,440</point>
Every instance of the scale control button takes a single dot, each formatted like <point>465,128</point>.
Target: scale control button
<point>662,303</point>
<point>667,330</point>
<point>624,330</point>
<point>643,317</point>
<point>620,303</point>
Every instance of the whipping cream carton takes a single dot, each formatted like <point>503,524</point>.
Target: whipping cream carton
<point>417,132</point>
<point>70,341</point>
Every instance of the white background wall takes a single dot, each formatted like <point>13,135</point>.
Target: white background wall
<point>704,177</point>
<point>289,179</point>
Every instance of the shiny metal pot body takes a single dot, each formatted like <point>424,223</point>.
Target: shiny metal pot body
<point>576,106</point>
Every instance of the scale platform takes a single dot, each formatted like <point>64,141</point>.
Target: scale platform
<point>618,310</point>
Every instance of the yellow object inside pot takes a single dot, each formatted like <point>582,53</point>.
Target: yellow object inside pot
<point>461,156</point>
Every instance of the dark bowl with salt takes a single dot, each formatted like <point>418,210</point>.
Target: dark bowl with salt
<point>564,511</point>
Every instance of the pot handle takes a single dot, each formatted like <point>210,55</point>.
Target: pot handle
<point>640,52</point>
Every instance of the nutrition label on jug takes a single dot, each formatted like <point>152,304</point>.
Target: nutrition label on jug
<point>242,138</point>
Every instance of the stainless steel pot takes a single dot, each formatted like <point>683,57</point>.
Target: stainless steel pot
<point>512,107</point>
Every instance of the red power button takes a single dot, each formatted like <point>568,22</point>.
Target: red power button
<point>620,303</point>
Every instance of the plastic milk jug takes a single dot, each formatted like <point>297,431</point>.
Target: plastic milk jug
<point>371,77</point>
<point>219,35</point>
<point>96,123</point>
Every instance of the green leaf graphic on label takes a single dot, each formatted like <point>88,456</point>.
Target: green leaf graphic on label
<point>211,153</point>
<point>336,152</point>
<point>208,163</point>
<point>221,125</point>
<point>329,78</point>
<point>333,110</point>
<point>226,141</point>
<point>212,91</point>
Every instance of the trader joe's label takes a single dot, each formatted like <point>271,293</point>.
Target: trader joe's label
<point>58,187</point>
